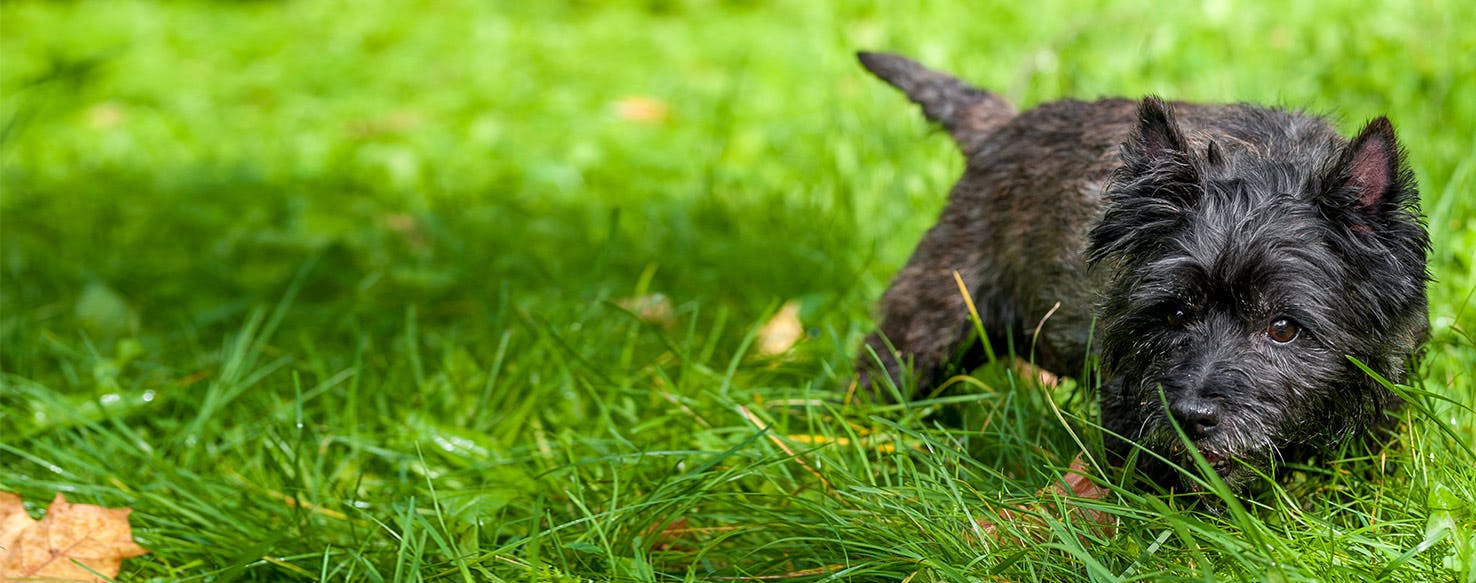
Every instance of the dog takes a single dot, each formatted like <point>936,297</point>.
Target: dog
<point>1223,265</point>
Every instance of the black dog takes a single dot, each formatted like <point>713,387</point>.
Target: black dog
<point>1228,258</point>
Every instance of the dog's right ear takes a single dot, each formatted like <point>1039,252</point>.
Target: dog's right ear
<point>1156,140</point>
<point>1149,194</point>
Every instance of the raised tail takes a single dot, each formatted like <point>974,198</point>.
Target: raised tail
<point>968,113</point>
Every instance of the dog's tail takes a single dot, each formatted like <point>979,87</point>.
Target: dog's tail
<point>968,113</point>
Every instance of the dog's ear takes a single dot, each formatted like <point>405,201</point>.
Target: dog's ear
<point>1370,176</point>
<point>1156,140</point>
<point>1149,194</point>
<point>1369,194</point>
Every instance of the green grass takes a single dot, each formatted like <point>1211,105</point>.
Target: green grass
<point>327,290</point>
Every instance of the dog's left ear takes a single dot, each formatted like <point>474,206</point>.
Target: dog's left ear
<point>1370,177</point>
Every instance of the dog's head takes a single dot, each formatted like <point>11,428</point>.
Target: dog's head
<point>1246,264</point>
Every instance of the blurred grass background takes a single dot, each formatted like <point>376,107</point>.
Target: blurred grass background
<point>350,291</point>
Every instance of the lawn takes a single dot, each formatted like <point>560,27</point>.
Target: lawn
<point>477,291</point>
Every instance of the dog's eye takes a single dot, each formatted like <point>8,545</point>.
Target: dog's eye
<point>1283,331</point>
<point>1174,316</point>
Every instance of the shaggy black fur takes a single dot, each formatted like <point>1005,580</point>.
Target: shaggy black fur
<point>1230,257</point>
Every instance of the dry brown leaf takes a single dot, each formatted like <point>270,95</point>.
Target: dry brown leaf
<point>670,536</point>
<point>642,109</point>
<point>13,519</point>
<point>1076,484</point>
<point>1046,378</point>
<point>407,226</point>
<point>782,331</point>
<point>51,548</point>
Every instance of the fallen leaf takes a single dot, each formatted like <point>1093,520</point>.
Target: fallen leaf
<point>106,115</point>
<point>669,536</point>
<point>642,109</point>
<point>57,547</point>
<point>782,331</point>
<point>397,122</point>
<point>13,519</point>
<point>651,308</point>
<point>103,312</point>
<point>1046,378</point>
<point>409,228</point>
<point>1076,485</point>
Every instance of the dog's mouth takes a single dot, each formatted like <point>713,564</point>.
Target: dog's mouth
<point>1222,463</point>
<point>1232,457</point>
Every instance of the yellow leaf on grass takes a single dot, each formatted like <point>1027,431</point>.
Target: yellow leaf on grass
<point>106,115</point>
<point>651,308</point>
<point>56,547</point>
<point>782,331</point>
<point>643,109</point>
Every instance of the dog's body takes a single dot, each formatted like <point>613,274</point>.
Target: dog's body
<point>1221,259</point>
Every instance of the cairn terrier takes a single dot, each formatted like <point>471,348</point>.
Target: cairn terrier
<point>1222,261</point>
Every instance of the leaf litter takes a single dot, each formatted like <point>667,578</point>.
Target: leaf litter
<point>73,542</point>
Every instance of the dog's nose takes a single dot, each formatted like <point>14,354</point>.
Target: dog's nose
<point>1196,416</point>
